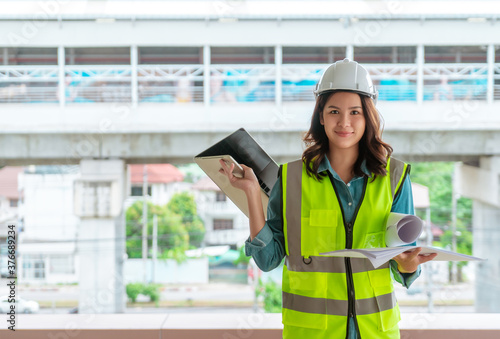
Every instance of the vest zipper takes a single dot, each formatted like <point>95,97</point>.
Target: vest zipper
<point>351,311</point>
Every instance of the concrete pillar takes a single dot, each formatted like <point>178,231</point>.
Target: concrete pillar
<point>5,56</point>
<point>99,197</point>
<point>206,75</point>
<point>134,60</point>
<point>420,73</point>
<point>349,52</point>
<point>61,61</point>
<point>491,73</point>
<point>278,59</point>
<point>483,185</point>
<point>331,55</point>
<point>394,55</point>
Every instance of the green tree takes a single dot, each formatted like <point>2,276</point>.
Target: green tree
<point>184,205</point>
<point>270,292</point>
<point>438,176</point>
<point>242,258</point>
<point>173,238</point>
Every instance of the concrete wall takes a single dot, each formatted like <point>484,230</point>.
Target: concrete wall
<point>192,271</point>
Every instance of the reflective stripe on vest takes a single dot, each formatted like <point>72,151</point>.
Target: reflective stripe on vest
<point>315,292</point>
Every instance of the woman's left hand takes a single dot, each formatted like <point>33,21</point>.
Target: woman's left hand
<point>408,261</point>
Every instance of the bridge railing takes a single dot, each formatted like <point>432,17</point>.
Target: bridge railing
<point>236,83</point>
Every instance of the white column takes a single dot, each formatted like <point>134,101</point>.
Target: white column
<point>134,85</point>
<point>349,52</point>
<point>155,247</point>
<point>331,55</point>
<point>482,184</point>
<point>420,73</point>
<point>454,201</point>
<point>278,61</point>
<point>71,56</point>
<point>394,55</point>
<point>101,236</point>
<point>61,61</point>
<point>120,245</point>
<point>429,270</point>
<point>490,57</point>
<point>206,75</point>
<point>145,222</point>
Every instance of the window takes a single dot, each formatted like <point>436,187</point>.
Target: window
<point>170,55</point>
<point>220,196</point>
<point>98,56</point>
<point>61,264</point>
<point>137,191</point>
<point>385,54</point>
<point>13,202</point>
<point>242,55</point>
<point>223,224</point>
<point>455,54</point>
<point>29,56</point>
<point>312,55</point>
<point>33,267</point>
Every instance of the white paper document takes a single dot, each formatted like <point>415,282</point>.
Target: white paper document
<point>379,256</point>
<point>402,229</point>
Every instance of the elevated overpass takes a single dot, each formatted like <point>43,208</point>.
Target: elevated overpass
<point>159,133</point>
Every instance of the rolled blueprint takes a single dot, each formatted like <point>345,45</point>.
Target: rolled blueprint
<point>402,229</point>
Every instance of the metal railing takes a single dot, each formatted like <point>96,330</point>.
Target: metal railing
<point>236,83</point>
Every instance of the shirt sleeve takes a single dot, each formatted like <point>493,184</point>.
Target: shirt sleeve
<point>403,203</point>
<point>268,247</point>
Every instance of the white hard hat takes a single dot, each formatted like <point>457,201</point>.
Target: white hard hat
<point>346,75</point>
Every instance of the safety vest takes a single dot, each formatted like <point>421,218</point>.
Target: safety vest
<point>320,293</point>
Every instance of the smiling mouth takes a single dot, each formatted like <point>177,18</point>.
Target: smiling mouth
<point>343,134</point>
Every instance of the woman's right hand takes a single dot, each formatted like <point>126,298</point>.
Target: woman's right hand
<point>248,183</point>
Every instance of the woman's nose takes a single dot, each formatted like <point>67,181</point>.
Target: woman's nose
<point>344,120</point>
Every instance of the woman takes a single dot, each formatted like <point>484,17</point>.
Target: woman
<point>337,196</point>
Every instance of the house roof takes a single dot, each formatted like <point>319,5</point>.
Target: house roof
<point>8,181</point>
<point>205,184</point>
<point>157,173</point>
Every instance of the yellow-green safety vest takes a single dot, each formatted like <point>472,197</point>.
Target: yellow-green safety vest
<point>320,293</point>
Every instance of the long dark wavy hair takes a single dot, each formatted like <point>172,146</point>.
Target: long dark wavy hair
<point>371,147</point>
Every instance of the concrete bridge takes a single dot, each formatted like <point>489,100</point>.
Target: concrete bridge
<point>160,133</point>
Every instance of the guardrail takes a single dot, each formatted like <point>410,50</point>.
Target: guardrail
<point>236,83</point>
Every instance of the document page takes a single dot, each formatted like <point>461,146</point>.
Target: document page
<point>379,256</point>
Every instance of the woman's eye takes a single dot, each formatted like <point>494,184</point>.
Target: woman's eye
<point>334,112</point>
<point>355,112</point>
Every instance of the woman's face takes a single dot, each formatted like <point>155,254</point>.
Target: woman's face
<point>344,120</point>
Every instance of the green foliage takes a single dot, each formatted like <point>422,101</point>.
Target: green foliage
<point>196,231</point>
<point>271,293</point>
<point>176,253</point>
<point>151,290</point>
<point>184,205</point>
<point>242,258</point>
<point>172,234</point>
<point>438,176</point>
<point>133,290</point>
<point>464,242</point>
